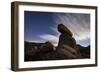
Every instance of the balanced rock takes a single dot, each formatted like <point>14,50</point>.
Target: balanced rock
<point>64,30</point>
<point>67,44</point>
<point>66,37</point>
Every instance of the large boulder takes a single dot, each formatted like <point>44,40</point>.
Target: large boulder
<point>67,44</point>
<point>64,30</point>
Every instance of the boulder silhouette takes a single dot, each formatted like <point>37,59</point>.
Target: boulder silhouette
<point>64,30</point>
<point>67,44</point>
<point>66,37</point>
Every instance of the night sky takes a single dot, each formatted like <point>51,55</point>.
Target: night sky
<point>42,26</point>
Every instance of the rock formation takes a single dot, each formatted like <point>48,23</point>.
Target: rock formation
<point>67,43</point>
<point>33,51</point>
<point>66,49</point>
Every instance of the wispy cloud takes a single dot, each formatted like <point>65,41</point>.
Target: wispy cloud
<point>79,24</point>
<point>46,37</point>
<point>51,38</point>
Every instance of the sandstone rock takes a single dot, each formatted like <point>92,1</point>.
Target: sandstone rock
<point>70,49</point>
<point>30,48</point>
<point>67,44</point>
<point>66,53</point>
<point>65,39</point>
<point>33,51</point>
<point>46,47</point>
<point>84,51</point>
<point>64,30</point>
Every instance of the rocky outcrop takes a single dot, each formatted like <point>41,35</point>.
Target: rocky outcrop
<point>66,49</point>
<point>66,36</point>
<point>85,51</point>
<point>67,44</point>
<point>33,51</point>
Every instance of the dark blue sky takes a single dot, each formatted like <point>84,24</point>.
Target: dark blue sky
<point>42,26</point>
<point>37,23</point>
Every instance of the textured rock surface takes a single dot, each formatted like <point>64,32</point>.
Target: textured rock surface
<point>84,51</point>
<point>65,39</point>
<point>33,51</point>
<point>64,30</point>
<point>67,44</point>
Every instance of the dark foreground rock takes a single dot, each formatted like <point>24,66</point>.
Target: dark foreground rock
<point>67,44</point>
<point>36,50</point>
<point>85,51</point>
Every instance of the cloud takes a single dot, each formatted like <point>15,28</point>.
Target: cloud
<point>52,38</point>
<point>36,40</point>
<point>79,24</point>
<point>46,37</point>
